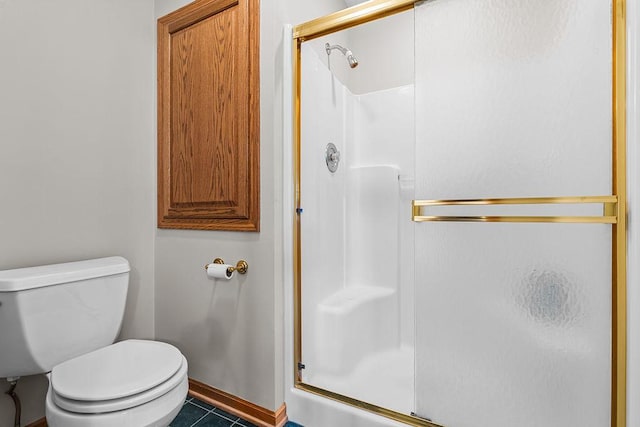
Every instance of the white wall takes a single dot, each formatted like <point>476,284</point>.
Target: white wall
<point>232,333</point>
<point>77,180</point>
<point>296,12</point>
<point>77,144</point>
<point>226,330</point>
<point>384,49</point>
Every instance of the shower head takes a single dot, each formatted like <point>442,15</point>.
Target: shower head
<point>353,62</point>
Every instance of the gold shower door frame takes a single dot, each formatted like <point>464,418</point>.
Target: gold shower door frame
<point>614,205</point>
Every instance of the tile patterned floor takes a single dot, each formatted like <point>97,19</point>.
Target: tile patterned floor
<point>195,413</point>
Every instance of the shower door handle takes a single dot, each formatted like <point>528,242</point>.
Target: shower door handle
<point>609,210</point>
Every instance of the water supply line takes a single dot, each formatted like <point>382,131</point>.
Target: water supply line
<point>16,400</point>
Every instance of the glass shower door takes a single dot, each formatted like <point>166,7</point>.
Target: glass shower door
<point>514,295</point>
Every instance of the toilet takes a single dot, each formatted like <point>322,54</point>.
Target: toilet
<point>62,320</point>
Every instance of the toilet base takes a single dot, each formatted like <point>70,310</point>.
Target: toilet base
<point>156,413</point>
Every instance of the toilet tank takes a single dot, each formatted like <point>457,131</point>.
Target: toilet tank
<point>51,313</point>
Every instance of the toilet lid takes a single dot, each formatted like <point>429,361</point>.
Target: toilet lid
<point>119,370</point>
<point>178,383</point>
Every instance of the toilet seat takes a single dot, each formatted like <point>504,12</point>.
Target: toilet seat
<point>120,376</point>
<point>156,413</point>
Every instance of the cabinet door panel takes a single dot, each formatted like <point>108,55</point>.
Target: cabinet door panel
<point>208,175</point>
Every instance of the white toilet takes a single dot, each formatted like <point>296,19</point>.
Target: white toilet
<point>63,319</point>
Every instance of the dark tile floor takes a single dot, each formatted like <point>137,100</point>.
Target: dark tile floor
<point>195,413</point>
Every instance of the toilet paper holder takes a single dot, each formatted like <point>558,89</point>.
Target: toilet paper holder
<point>241,266</point>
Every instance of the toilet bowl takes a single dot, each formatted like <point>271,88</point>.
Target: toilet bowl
<point>61,320</point>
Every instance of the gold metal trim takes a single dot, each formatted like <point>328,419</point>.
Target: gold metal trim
<point>396,416</point>
<point>619,244</point>
<point>609,210</point>
<point>242,266</point>
<point>523,219</point>
<point>521,201</point>
<point>297,256</point>
<point>350,17</point>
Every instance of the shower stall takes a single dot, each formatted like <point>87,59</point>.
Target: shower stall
<point>359,154</point>
<point>459,229</point>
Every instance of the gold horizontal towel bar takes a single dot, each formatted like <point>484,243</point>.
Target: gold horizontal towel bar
<point>609,215</point>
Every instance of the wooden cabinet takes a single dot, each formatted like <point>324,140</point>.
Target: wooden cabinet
<point>208,116</point>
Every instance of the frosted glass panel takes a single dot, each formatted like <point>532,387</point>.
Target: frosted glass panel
<point>513,324</point>
<point>513,99</point>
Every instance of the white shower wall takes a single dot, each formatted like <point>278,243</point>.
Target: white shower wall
<point>383,133</point>
<point>355,230</point>
<point>322,196</point>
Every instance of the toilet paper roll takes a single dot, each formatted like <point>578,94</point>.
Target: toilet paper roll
<point>220,271</point>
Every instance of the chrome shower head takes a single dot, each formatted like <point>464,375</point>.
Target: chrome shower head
<point>353,62</point>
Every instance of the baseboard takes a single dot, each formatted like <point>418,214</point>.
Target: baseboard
<point>39,423</point>
<point>256,414</point>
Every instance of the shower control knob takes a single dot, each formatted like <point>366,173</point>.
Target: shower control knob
<point>332,157</point>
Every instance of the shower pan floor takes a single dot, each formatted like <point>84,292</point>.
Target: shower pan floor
<point>384,379</point>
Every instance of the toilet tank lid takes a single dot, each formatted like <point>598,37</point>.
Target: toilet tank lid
<point>20,279</point>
